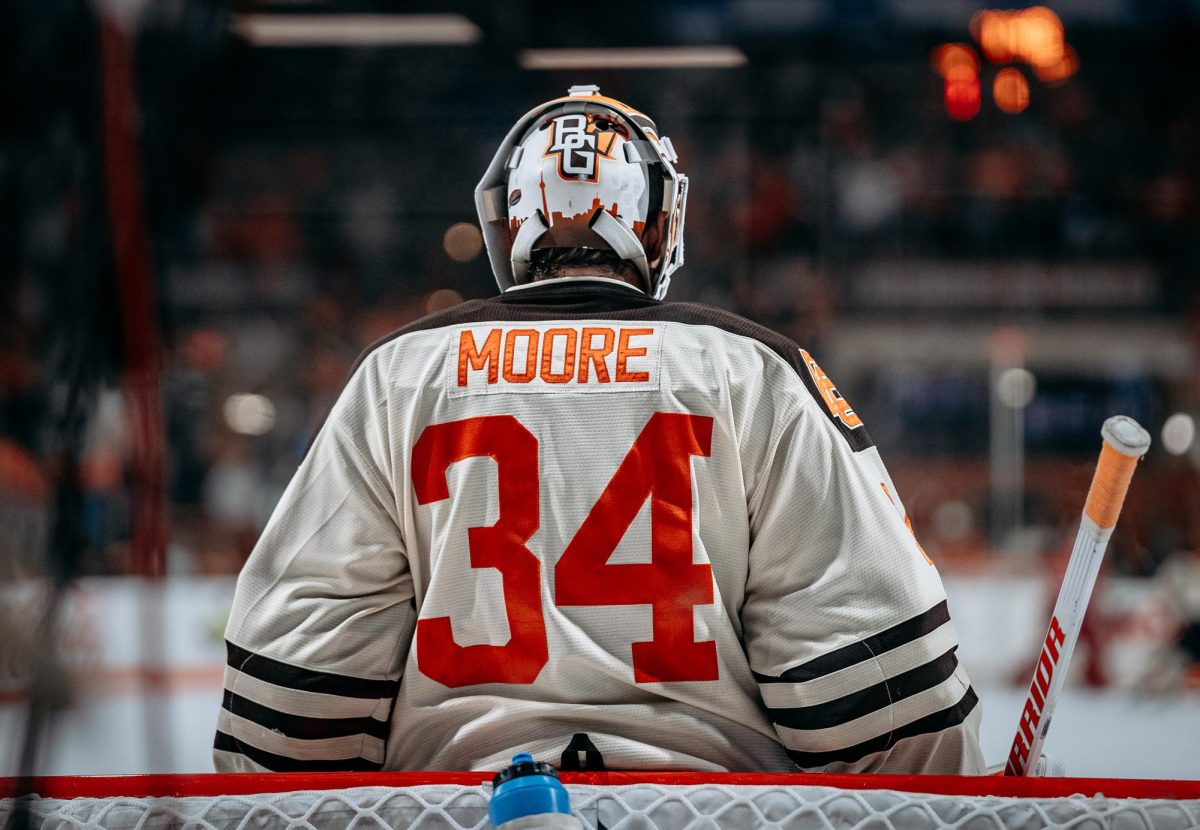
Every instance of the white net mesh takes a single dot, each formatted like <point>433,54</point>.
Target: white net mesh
<point>708,806</point>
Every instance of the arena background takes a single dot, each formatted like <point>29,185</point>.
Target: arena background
<point>983,221</point>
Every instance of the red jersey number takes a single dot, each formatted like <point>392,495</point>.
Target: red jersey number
<point>501,546</point>
<point>657,467</point>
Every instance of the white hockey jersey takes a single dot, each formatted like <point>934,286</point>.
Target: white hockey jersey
<point>575,509</point>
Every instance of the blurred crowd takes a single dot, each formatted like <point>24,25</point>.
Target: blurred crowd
<point>307,202</point>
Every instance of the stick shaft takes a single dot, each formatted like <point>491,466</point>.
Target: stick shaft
<point>1059,644</point>
<point>1124,443</point>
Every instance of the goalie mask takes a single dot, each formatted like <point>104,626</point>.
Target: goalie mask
<point>584,171</point>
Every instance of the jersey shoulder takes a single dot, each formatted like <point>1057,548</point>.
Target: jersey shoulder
<point>835,407</point>
<point>698,314</point>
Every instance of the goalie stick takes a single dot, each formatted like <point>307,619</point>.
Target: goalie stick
<point>1125,441</point>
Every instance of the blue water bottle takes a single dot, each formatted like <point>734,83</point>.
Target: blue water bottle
<point>528,795</point>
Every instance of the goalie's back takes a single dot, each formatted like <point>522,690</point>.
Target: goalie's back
<point>576,509</point>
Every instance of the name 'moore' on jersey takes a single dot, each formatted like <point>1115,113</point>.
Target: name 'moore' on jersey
<point>575,509</point>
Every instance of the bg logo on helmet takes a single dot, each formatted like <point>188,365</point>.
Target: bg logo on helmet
<point>578,141</point>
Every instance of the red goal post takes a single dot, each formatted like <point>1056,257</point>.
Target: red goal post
<point>613,799</point>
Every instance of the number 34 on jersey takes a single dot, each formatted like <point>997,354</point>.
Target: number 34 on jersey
<point>657,467</point>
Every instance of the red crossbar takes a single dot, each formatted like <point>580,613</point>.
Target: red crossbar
<point>216,784</point>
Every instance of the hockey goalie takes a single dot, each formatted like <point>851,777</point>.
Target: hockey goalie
<point>582,521</point>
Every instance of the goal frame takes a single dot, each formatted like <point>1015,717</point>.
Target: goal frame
<point>219,784</point>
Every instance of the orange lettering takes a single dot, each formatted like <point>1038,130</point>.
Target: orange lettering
<point>531,362</point>
<point>548,355</point>
<point>625,351</point>
<point>589,354</point>
<point>837,405</point>
<point>470,355</point>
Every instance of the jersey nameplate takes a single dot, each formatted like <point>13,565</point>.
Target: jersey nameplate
<point>548,358</point>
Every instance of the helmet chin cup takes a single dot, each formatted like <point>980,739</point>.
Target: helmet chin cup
<point>583,171</point>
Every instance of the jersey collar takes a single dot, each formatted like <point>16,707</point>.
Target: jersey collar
<point>574,281</point>
<point>578,295</point>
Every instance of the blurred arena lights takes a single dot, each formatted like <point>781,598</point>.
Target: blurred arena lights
<point>657,57</point>
<point>1034,35</point>
<point>1178,433</point>
<point>1010,90</point>
<point>1015,387</point>
<point>1056,73</point>
<point>953,520</point>
<point>249,414</point>
<point>958,65</point>
<point>356,29</point>
<point>462,241</point>
<point>954,58</point>
<point>962,97</point>
<point>441,299</point>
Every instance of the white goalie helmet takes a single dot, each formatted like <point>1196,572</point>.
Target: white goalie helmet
<point>584,171</point>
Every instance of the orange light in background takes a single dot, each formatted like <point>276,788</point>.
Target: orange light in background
<point>441,299</point>
<point>951,56</point>
<point>1011,91</point>
<point>1034,35</point>
<point>1039,36</point>
<point>1055,73</point>
<point>462,241</point>
<point>990,28</point>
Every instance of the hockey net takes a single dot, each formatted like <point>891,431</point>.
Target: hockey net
<point>600,800</point>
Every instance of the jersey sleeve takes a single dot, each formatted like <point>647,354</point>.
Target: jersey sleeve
<point>845,621</point>
<point>323,610</point>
